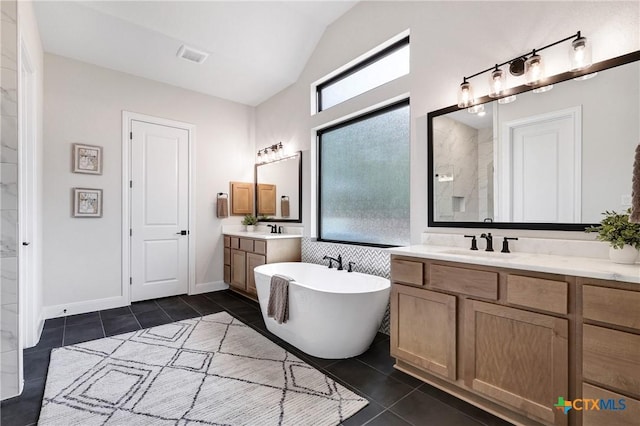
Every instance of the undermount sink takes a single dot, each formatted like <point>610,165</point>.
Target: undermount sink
<point>478,253</point>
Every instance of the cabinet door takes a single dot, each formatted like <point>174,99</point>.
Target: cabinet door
<point>517,357</point>
<point>423,329</point>
<point>238,269</point>
<point>253,260</point>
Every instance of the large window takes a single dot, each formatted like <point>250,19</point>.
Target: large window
<point>363,190</point>
<point>386,65</point>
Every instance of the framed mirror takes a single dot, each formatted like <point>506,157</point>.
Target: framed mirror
<point>279,189</point>
<point>553,159</point>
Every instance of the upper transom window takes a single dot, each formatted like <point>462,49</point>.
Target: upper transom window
<point>380,68</point>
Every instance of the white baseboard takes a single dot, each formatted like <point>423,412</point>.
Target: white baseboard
<point>83,307</point>
<point>207,287</point>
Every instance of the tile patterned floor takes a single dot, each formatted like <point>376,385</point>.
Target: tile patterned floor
<point>395,398</point>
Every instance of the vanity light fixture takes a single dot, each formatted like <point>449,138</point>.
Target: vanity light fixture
<point>531,65</point>
<point>271,153</point>
<point>465,95</point>
<point>497,81</point>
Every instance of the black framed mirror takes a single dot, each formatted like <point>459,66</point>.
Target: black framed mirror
<point>279,189</point>
<point>552,160</point>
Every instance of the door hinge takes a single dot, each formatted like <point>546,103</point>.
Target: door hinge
<point>130,281</point>
<point>131,135</point>
<point>130,232</point>
<point>130,184</point>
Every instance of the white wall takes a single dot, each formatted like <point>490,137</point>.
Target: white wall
<point>448,40</point>
<point>83,104</point>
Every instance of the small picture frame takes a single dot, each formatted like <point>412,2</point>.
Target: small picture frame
<point>87,202</point>
<point>87,159</point>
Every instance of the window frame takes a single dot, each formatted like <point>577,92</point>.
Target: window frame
<point>360,117</point>
<point>393,47</point>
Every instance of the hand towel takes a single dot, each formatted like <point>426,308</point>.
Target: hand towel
<point>635,189</point>
<point>284,207</point>
<point>222,209</point>
<point>278,306</point>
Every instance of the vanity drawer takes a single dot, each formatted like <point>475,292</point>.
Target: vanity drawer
<point>610,305</point>
<point>227,256</point>
<point>246,245</point>
<point>227,241</point>
<point>618,417</point>
<point>465,281</point>
<point>235,243</point>
<point>407,272</point>
<point>611,358</point>
<point>537,293</point>
<point>260,247</point>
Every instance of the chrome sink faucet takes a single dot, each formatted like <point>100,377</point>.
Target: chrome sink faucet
<point>489,239</point>
<point>332,259</point>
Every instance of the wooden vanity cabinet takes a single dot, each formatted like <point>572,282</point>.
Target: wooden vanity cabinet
<point>244,254</point>
<point>610,335</point>
<point>424,329</point>
<point>484,334</point>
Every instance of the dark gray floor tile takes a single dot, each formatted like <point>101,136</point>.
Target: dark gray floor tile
<point>380,337</point>
<point>405,378</point>
<point>463,406</point>
<point>36,364</point>
<point>115,312</point>
<point>364,415</point>
<point>82,333</point>
<point>83,319</point>
<point>170,302</point>
<point>153,318</point>
<point>144,306</point>
<point>419,408</point>
<point>120,324</point>
<point>179,313</point>
<point>25,409</point>
<point>202,304</point>
<point>50,338</point>
<point>247,314</point>
<point>377,356</point>
<point>54,323</point>
<point>387,418</point>
<point>381,388</point>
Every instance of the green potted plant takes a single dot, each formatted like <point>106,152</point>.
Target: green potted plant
<point>622,235</point>
<point>249,222</point>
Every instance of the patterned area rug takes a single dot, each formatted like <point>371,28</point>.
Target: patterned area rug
<point>213,370</point>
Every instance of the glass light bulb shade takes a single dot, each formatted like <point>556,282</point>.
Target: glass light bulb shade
<point>586,76</point>
<point>476,109</point>
<point>259,158</point>
<point>465,95</point>
<point>497,80</point>
<point>507,99</point>
<point>543,88</point>
<point>534,70</point>
<point>580,54</point>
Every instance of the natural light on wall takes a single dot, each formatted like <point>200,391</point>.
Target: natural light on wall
<point>390,64</point>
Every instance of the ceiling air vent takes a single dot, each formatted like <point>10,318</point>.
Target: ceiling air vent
<point>192,55</point>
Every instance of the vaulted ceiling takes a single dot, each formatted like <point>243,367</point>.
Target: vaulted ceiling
<point>256,48</point>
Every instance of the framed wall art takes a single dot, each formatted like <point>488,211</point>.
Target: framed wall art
<point>87,202</point>
<point>87,159</point>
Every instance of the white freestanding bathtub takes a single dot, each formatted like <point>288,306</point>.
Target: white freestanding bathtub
<point>332,314</point>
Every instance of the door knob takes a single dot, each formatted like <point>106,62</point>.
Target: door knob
<point>25,243</point>
<point>183,232</point>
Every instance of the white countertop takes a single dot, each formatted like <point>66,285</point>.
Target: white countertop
<point>261,235</point>
<point>554,264</point>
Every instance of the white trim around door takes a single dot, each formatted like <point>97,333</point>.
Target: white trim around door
<point>127,118</point>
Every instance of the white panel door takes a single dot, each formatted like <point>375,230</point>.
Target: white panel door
<point>543,156</point>
<point>159,211</point>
